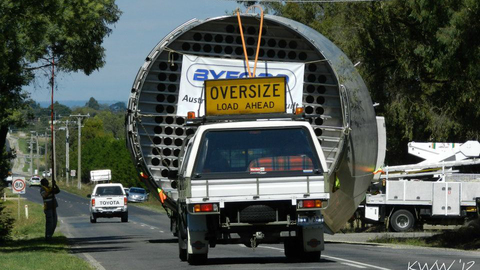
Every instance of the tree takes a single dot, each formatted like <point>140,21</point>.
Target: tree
<point>36,34</point>
<point>100,150</point>
<point>419,58</point>
<point>118,107</point>
<point>92,103</point>
<point>6,221</point>
<point>113,123</point>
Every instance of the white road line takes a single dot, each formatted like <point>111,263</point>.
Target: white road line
<point>342,261</point>
<point>161,231</point>
<point>354,262</point>
<point>89,258</point>
<point>353,265</point>
<point>93,262</point>
<point>274,248</point>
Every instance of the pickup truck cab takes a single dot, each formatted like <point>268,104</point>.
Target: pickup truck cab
<point>107,201</point>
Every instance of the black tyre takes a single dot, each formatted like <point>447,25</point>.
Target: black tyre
<point>294,251</point>
<point>125,217</point>
<point>293,248</point>
<point>197,259</point>
<point>182,239</point>
<point>402,220</point>
<point>173,226</point>
<point>93,218</point>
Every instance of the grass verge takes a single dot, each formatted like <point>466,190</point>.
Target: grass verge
<point>73,188</point>
<point>27,248</point>
<point>466,238</point>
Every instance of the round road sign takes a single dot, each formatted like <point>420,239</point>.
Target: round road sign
<point>18,186</point>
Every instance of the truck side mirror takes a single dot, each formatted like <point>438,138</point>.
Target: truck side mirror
<point>173,174</point>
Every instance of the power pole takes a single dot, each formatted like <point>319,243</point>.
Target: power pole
<point>31,152</point>
<point>54,153</point>
<point>67,150</point>
<point>46,151</point>
<point>67,154</point>
<point>38,153</point>
<point>79,169</point>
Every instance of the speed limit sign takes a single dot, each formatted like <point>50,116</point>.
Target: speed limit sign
<point>18,186</point>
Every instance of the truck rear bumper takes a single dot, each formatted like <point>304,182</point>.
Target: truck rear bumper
<point>293,198</point>
<point>109,212</point>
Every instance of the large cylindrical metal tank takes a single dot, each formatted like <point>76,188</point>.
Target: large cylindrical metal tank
<point>332,89</point>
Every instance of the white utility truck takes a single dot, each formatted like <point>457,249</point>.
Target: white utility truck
<point>107,199</point>
<point>251,181</point>
<point>428,192</point>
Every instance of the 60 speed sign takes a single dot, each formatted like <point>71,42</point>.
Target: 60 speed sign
<point>18,186</point>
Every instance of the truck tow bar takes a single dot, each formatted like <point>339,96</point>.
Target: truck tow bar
<point>253,240</point>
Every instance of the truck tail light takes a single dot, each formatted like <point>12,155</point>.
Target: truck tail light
<point>93,202</point>
<point>205,207</point>
<point>125,200</point>
<point>310,204</point>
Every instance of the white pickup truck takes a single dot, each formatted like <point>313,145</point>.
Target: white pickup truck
<point>251,183</point>
<point>108,200</point>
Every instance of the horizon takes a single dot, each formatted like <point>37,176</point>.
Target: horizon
<point>77,103</point>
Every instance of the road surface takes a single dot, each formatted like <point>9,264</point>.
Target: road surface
<point>145,242</point>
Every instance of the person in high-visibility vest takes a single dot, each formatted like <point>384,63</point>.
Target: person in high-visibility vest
<point>49,207</point>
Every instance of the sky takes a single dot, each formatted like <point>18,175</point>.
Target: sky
<point>141,26</point>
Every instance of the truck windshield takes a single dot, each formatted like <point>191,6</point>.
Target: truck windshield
<point>268,152</point>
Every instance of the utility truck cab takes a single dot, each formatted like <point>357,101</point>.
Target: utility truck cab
<point>251,180</point>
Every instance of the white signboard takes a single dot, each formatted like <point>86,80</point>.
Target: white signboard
<point>195,70</point>
<point>18,185</point>
<point>73,172</point>
<point>100,175</point>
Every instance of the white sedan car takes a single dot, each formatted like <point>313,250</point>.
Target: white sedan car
<point>34,181</point>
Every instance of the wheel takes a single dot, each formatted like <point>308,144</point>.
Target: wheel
<point>182,239</point>
<point>125,217</point>
<point>197,259</point>
<point>402,220</point>
<point>173,226</point>
<point>93,218</point>
<point>294,250</point>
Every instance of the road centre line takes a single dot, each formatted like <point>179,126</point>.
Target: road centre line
<point>353,265</point>
<point>274,248</point>
<point>343,261</point>
<point>354,262</point>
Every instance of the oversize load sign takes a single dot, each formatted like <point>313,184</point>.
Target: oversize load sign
<point>196,70</point>
<point>245,96</point>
